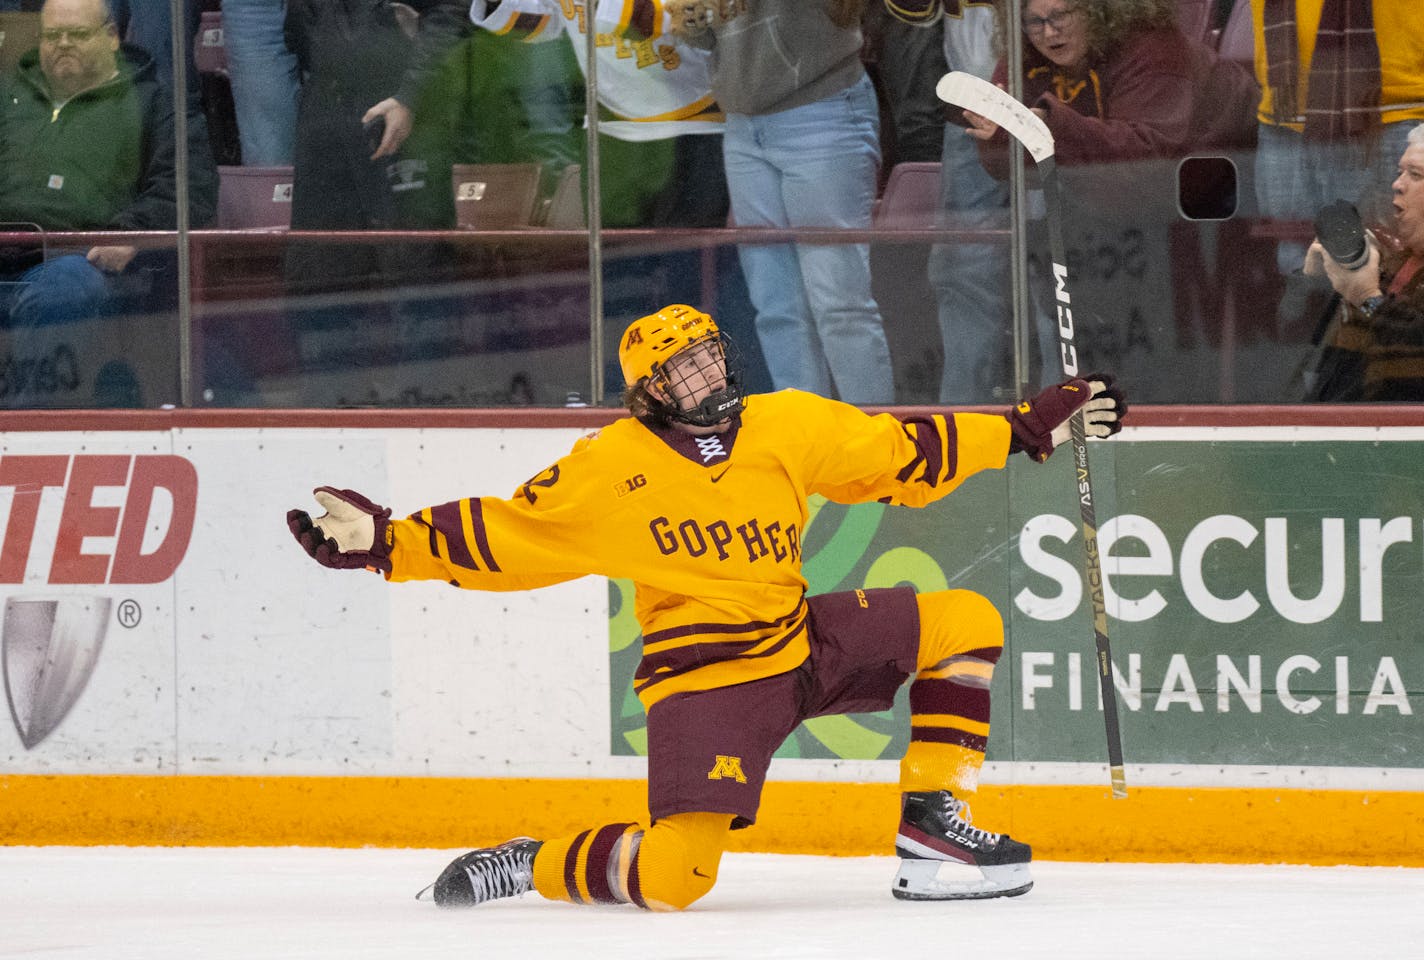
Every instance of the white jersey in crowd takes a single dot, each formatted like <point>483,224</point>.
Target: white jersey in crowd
<point>969,38</point>
<point>650,89</point>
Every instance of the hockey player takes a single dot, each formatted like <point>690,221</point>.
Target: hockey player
<point>700,498</point>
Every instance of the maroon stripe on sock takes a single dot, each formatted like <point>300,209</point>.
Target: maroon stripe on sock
<point>600,851</point>
<point>571,868</point>
<point>990,654</point>
<point>446,519</point>
<point>961,738</point>
<point>948,697</point>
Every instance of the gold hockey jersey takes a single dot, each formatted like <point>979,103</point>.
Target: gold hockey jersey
<point>708,528</point>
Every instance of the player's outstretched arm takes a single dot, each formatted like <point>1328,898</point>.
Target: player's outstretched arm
<point>354,533</point>
<point>1041,424</point>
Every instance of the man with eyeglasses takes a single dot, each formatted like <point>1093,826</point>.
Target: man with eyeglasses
<point>86,143</point>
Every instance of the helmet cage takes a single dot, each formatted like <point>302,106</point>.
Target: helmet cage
<point>716,406</point>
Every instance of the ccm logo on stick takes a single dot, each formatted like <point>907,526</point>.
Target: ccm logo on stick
<point>1065,319</point>
<point>141,551</point>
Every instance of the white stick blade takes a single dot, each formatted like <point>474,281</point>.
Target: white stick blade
<point>972,93</point>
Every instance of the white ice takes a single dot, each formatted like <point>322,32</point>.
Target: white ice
<point>114,903</point>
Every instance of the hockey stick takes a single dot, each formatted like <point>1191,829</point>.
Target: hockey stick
<point>971,93</point>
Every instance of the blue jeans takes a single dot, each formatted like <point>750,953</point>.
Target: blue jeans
<point>264,80</point>
<point>66,289</point>
<point>971,279</point>
<point>812,166</point>
<point>1295,177</point>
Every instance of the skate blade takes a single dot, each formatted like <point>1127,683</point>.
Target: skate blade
<point>421,896</point>
<point>919,880</point>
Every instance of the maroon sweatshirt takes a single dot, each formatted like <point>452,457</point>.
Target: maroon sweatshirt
<point>1156,94</point>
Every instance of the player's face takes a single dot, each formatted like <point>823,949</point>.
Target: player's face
<point>696,373</point>
<point>1409,199</point>
<point>1058,30</point>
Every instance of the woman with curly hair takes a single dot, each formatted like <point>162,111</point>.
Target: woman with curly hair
<point>1118,80</point>
<point>1125,94</point>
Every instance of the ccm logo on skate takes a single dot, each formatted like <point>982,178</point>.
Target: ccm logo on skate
<point>727,768</point>
<point>149,531</point>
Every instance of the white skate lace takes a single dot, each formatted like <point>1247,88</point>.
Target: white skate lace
<point>502,875</point>
<point>960,821</point>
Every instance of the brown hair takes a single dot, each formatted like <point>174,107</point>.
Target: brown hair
<point>1109,21</point>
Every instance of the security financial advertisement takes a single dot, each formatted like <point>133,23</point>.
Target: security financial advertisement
<point>1265,604</point>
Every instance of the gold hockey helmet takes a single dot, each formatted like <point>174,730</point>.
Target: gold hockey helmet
<point>651,341</point>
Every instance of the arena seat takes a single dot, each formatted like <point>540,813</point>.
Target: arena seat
<point>254,198</point>
<point>495,196</point>
<point>911,198</point>
<point>565,210</point>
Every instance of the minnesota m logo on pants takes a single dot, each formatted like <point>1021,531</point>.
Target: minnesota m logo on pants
<point>729,768</point>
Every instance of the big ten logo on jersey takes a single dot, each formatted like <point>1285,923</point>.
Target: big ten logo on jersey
<point>143,505</point>
<point>624,487</point>
<point>726,539</point>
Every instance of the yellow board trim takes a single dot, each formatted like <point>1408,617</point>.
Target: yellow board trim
<point>1154,824</point>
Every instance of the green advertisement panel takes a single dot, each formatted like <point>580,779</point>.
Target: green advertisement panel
<point>1265,600</point>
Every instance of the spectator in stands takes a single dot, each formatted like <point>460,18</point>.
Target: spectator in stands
<point>148,25</point>
<point>87,143</point>
<point>1337,101</point>
<point>1337,105</point>
<point>1374,350</point>
<point>974,312</point>
<point>362,160</point>
<point>802,150</point>
<point>660,155</point>
<point>661,145</point>
<point>264,78</point>
<point>1117,81</point>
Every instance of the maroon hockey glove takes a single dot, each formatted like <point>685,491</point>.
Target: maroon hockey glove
<point>1042,423</point>
<point>354,533</point>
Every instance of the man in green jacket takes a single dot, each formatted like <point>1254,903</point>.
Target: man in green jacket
<point>86,143</point>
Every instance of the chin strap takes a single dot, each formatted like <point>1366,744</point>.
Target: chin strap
<point>712,410</point>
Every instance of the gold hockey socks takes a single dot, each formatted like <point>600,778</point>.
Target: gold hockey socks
<point>961,638</point>
<point>664,867</point>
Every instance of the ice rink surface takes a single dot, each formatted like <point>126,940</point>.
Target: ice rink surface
<point>115,903</point>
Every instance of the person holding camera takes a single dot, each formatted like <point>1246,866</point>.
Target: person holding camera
<point>1374,347</point>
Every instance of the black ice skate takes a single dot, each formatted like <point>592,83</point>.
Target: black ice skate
<point>934,830</point>
<point>491,873</point>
